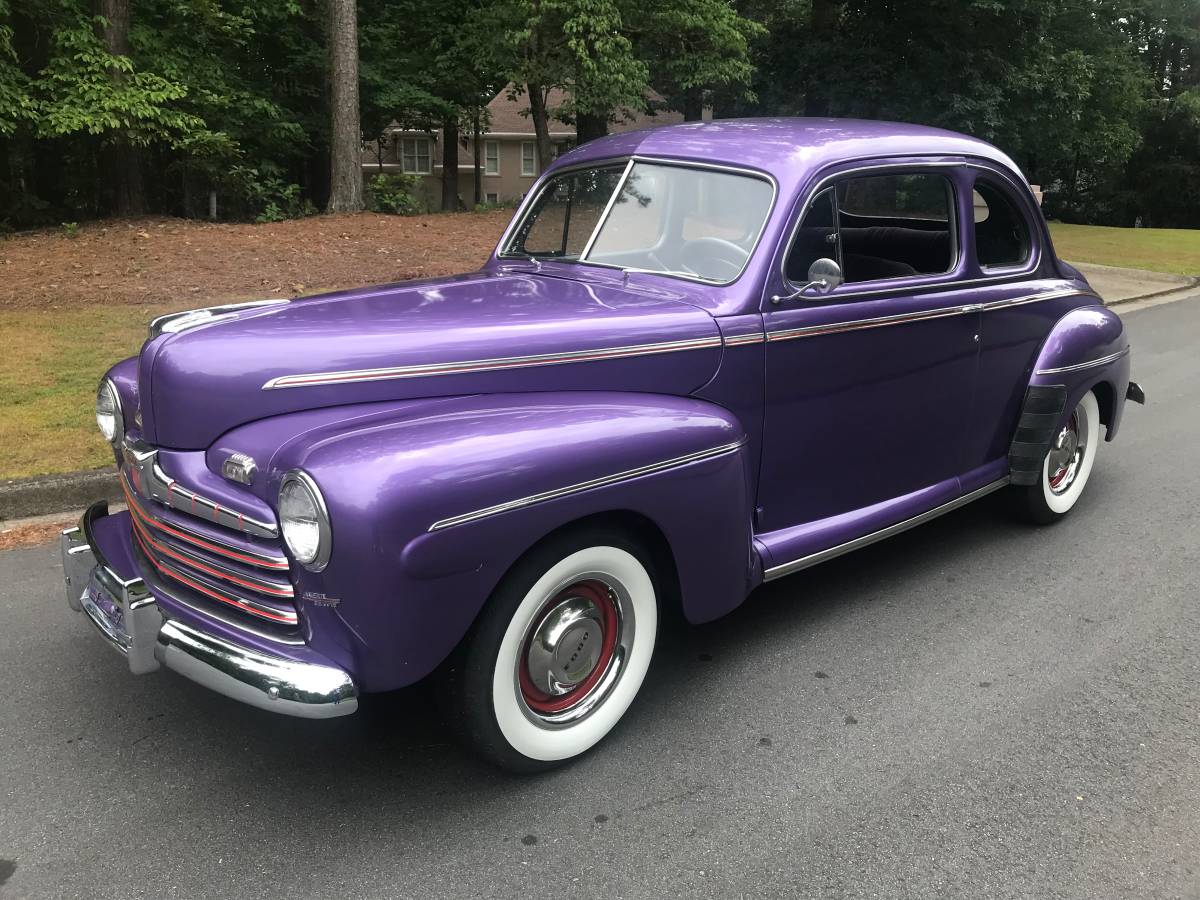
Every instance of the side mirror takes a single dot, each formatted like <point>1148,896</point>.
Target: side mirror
<point>823,276</point>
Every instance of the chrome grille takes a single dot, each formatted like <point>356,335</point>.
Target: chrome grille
<point>149,480</point>
<point>206,566</point>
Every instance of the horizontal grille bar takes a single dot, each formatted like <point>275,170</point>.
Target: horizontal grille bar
<point>259,559</point>
<point>148,478</point>
<point>206,583</point>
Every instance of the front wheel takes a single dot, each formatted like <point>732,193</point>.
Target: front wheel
<point>1067,465</point>
<point>559,652</point>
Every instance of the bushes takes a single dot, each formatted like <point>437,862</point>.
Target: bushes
<point>395,194</point>
<point>265,195</point>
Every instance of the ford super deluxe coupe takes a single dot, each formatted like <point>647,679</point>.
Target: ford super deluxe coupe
<point>700,358</point>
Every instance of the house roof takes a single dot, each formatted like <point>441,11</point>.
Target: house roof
<point>510,114</point>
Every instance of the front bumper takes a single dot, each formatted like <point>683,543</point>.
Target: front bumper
<point>131,622</point>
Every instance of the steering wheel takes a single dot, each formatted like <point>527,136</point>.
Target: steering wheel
<point>713,257</point>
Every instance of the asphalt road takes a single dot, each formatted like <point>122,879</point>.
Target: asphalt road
<point>974,709</point>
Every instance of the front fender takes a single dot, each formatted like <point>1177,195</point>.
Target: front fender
<point>1087,349</point>
<point>431,505</point>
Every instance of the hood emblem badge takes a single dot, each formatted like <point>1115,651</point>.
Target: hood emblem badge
<point>240,468</point>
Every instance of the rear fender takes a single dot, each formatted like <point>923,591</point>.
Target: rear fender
<point>1086,350</point>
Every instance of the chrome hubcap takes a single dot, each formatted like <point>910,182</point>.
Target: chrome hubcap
<point>1066,455</point>
<point>566,646</point>
<point>574,651</point>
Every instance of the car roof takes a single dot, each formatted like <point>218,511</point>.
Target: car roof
<point>789,149</point>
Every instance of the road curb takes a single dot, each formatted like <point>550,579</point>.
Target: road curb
<point>22,498</point>
<point>1191,285</point>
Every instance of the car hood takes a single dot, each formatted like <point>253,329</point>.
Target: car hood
<point>488,332</point>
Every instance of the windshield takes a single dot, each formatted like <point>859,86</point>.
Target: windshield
<point>648,217</point>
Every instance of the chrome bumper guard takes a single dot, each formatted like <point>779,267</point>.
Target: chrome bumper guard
<point>128,617</point>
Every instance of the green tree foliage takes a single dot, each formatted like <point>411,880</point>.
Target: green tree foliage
<point>227,100</point>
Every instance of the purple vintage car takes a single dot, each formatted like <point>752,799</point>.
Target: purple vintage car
<point>702,357</point>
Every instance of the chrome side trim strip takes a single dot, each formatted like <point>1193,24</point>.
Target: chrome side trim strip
<point>788,334</point>
<point>1036,298</point>
<point>739,340</point>
<point>1104,360</point>
<point>603,481</point>
<point>487,365</point>
<point>822,555</point>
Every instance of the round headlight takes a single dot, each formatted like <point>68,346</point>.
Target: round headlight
<point>108,412</point>
<point>304,520</point>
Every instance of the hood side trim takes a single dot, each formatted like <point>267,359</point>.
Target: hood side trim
<point>487,365</point>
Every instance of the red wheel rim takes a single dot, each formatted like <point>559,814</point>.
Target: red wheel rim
<point>538,700</point>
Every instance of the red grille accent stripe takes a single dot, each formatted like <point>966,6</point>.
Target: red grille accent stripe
<point>271,591</point>
<point>135,507</point>
<point>285,618</point>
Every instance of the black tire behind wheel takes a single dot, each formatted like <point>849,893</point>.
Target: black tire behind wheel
<point>466,683</point>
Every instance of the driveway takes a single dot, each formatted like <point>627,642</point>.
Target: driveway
<point>974,709</point>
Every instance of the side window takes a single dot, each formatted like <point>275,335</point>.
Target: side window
<point>815,238</point>
<point>1001,231</point>
<point>877,227</point>
<point>892,226</point>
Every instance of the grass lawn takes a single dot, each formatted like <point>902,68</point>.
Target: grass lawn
<point>1175,250</point>
<point>49,367</point>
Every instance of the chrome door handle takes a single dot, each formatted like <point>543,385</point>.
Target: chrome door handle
<point>972,307</point>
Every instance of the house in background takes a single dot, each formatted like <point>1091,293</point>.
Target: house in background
<point>508,149</point>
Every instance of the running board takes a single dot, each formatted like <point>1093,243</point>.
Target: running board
<point>867,539</point>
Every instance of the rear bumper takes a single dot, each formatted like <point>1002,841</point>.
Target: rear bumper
<point>131,622</point>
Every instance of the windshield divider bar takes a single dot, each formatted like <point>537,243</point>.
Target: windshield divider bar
<point>587,248</point>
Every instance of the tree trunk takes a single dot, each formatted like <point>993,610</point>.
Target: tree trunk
<point>450,164</point>
<point>121,161</point>
<point>821,25</point>
<point>477,137</point>
<point>693,105</point>
<point>589,126</point>
<point>345,139</point>
<point>541,122</point>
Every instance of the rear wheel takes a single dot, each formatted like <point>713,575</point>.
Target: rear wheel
<point>1067,466</point>
<point>559,652</point>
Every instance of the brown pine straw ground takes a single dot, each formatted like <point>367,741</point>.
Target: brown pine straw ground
<point>30,534</point>
<point>173,261</point>
<point>73,302</point>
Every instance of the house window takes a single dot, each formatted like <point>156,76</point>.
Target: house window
<point>491,157</point>
<point>492,198</point>
<point>528,158</point>
<point>414,156</point>
<point>560,147</point>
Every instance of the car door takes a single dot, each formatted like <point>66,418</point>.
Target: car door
<point>1010,263</point>
<point>868,386</point>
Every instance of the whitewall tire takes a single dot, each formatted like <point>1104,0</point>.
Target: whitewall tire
<point>1068,464</point>
<point>559,652</point>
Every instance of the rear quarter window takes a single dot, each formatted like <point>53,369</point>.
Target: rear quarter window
<point>1002,237</point>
